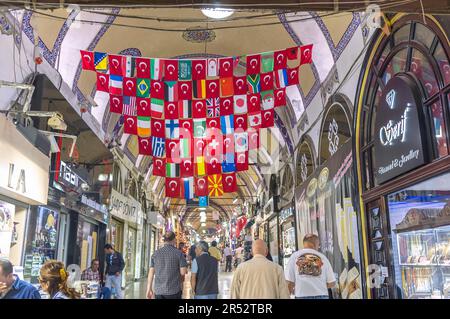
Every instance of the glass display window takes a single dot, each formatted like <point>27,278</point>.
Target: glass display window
<point>273,239</point>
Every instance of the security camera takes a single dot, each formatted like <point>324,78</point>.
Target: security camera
<point>56,122</point>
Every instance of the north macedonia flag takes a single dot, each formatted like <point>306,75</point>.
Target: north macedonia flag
<point>215,186</point>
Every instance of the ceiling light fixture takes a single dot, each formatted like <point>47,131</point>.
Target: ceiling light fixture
<point>217,13</point>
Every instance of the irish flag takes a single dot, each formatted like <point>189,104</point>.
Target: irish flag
<point>143,128</point>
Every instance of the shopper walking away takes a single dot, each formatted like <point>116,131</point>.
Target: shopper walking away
<point>114,268</point>
<point>259,278</point>
<point>214,251</point>
<point>204,274</point>
<point>309,273</point>
<point>238,255</point>
<point>228,258</point>
<point>167,267</point>
<point>53,279</point>
<point>11,287</point>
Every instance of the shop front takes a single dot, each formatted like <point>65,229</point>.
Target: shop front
<point>23,184</point>
<point>403,161</point>
<point>287,234</point>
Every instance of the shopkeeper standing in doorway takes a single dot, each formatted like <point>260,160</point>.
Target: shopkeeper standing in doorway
<point>114,267</point>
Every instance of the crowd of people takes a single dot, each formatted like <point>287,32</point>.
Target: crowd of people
<point>308,274</point>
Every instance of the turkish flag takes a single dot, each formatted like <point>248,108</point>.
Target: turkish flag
<point>254,102</point>
<point>158,128</point>
<point>253,64</point>
<point>171,70</point>
<point>240,123</point>
<point>213,165</point>
<point>115,104</point>
<point>87,60</point>
<point>130,125</point>
<point>228,143</point>
<point>186,168</point>
<point>253,139</point>
<point>292,53</point>
<point>173,150</point>
<point>280,60</point>
<point>212,89</point>
<point>171,110</point>
<point>240,85</point>
<point>173,187</point>
<point>186,128</point>
<point>199,147</point>
<point>143,68</point>
<point>102,82</point>
<point>241,161</point>
<point>280,97</point>
<point>225,67</point>
<point>145,146</point>
<point>159,166</point>
<point>157,89</point>
<point>198,69</point>
<point>213,125</point>
<point>201,186</point>
<point>229,183</point>
<point>266,81</point>
<point>267,118</point>
<point>143,107</point>
<point>129,86</point>
<point>306,54</point>
<point>185,90</point>
<point>241,222</point>
<point>115,64</point>
<point>293,76</point>
<point>199,109</point>
<point>226,106</point>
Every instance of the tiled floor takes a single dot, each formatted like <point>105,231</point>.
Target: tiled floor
<point>138,289</point>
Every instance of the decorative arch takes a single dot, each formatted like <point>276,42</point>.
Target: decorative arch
<point>306,160</point>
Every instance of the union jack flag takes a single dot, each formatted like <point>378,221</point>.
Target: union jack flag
<point>213,107</point>
<point>129,106</point>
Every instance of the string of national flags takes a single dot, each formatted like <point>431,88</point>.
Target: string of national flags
<point>197,118</point>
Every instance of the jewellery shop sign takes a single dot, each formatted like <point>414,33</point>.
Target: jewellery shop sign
<point>399,145</point>
<point>125,208</point>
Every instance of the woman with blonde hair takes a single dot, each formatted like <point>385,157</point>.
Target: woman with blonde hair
<point>53,279</point>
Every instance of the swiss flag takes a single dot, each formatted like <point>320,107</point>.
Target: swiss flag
<point>266,81</point>
<point>226,106</point>
<point>293,75</point>
<point>201,186</point>
<point>87,60</point>
<point>253,64</point>
<point>254,102</point>
<point>143,107</point>
<point>130,125</point>
<point>229,183</point>
<point>199,109</point>
<point>115,104</point>
<point>225,67</point>
<point>214,148</point>
<point>292,53</point>
<point>171,70</point>
<point>159,166</point>
<point>268,118</point>
<point>213,165</point>
<point>157,89</point>
<point>306,54</point>
<point>213,125</point>
<point>171,110</point>
<point>173,150</point>
<point>240,85</point>
<point>241,161</point>
<point>199,147</point>
<point>115,64</point>
<point>143,68</point>
<point>102,82</point>
<point>240,123</point>
<point>186,168</point>
<point>253,139</point>
<point>280,97</point>
<point>228,143</point>
<point>158,128</point>
<point>279,60</point>
<point>173,187</point>
<point>145,146</point>
<point>212,89</point>
<point>186,128</point>
<point>198,69</point>
<point>129,86</point>
<point>185,90</point>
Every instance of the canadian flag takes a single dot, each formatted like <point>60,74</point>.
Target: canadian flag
<point>240,85</point>
<point>201,186</point>
<point>226,106</point>
<point>129,86</point>
<point>226,67</point>
<point>171,70</point>
<point>102,82</point>
<point>115,104</point>
<point>280,97</point>
<point>267,118</point>
<point>186,168</point>
<point>212,89</point>
<point>229,183</point>
<point>159,166</point>
<point>173,187</point>
<point>253,102</point>
<point>143,68</point>
<point>198,69</point>
<point>87,60</point>
<point>143,107</point>
<point>130,125</point>
<point>157,89</point>
<point>115,64</point>
<point>185,90</point>
<point>145,146</point>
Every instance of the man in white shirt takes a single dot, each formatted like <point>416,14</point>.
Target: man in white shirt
<point>228,254</point>
<point>309,273</point>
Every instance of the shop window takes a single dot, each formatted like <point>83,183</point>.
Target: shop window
<point>288,181</point>
<point>443,63</point>
<point>402,34</point>
<point>439,128</point>
<point>396,65</point>
<point>422,69</point>
<point>423,35</point>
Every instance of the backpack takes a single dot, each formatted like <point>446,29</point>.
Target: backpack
<point>309,264</point>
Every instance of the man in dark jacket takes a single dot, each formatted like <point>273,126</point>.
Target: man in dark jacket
<point>114,267</point>
<point>11,287</point>
<point>204,274</point>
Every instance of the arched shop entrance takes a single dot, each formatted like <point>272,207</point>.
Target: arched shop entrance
<point>403,163</point>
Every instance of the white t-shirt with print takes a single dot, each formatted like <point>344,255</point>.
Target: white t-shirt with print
<point>306,285</point>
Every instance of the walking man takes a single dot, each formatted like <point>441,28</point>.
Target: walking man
<point>259,278</point>
<point>204,274</point>
<point>228,257</point>
<point>168,266</point>
<point>309,273</point>
<point>114,267</point>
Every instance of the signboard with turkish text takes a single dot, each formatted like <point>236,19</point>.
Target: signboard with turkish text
<point>125,208</point>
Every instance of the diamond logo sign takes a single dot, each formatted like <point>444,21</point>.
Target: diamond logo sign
<point>390,99</point>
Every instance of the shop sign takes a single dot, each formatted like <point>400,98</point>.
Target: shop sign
<point>399,145</point>
<point>124,207</point>
<point>23,168</point>
<point>68,176</point>
<point>97,206</point>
